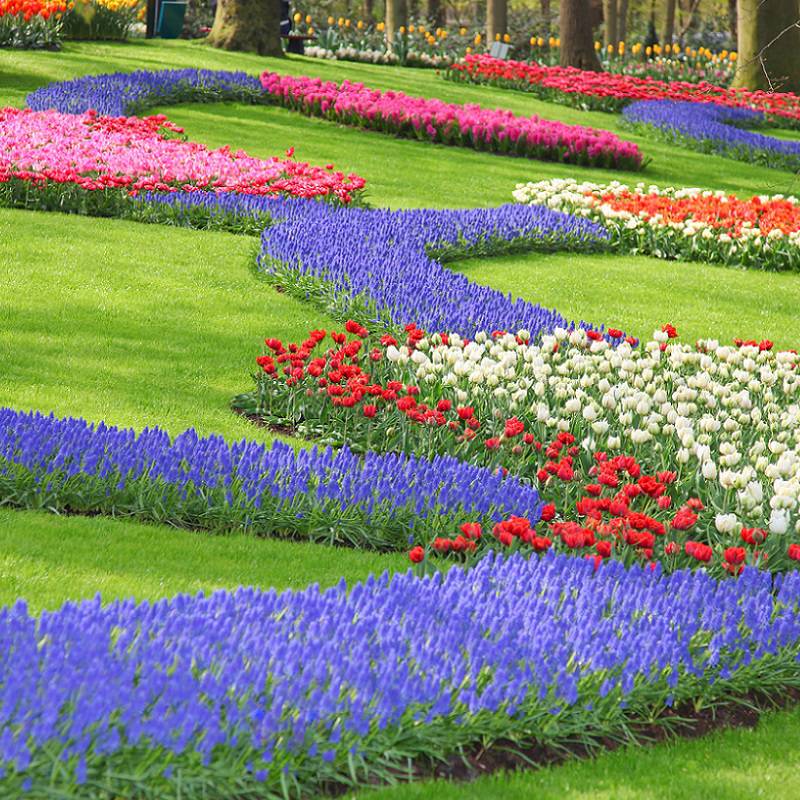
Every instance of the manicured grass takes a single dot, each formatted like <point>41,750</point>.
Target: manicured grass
<point>727,765</point>
<point>640,294</point>
<point>49,560</point>
<point>135,324</point>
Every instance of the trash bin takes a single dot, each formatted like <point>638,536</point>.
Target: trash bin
<point>170,18</point>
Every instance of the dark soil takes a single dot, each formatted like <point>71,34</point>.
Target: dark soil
<point>683,721</point>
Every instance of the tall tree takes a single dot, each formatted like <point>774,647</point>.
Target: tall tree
<point>669,22</point>
<point>610,36</point>
<point>496,19</point>
<point>769,45</point>
<point>252,25</point>
<point>622,20</point>
<point>577,39</point>
<point>732,18</point>
<point>396,18</point>
<point>368,11</point>
<point>547,16</point>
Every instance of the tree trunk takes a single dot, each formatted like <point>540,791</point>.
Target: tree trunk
<point>435,13</point>
<point>396,18</point>
<point>252,25</point>
<point>732,19</point>
<point>496,19</point>
<point>369,6</point>
<point>691,10</point>
<point>547,16</point>
<point>577,41</point>
<point>769,45</point>
<point>622,20</point>
<point>610,23</point>
<point>669,23</point>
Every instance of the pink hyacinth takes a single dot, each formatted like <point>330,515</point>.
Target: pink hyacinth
<point>451,123</point>
<point>135,154</point>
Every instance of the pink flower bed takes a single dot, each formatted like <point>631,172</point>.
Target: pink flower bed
<point>144,154</point>
<point>496,130</point>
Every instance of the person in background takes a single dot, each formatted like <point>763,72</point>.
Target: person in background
<point>286,18</point>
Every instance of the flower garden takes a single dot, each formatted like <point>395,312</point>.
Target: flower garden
<point>358,432</point>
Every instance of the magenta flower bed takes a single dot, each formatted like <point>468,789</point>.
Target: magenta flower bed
<point>496,130</point>
<point>92,152</point>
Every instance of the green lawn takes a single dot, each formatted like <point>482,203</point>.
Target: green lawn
<point>48,559</point>
<point>146,325</point>
<point>727,765</point>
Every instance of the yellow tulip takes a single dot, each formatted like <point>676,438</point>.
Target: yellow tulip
<point>648,51</point>
<point>621,48</point>
<point>411,29</point>
<point>462,31</point>
<point>468,50</point>
<point>347,23</point>
<point>331,20</point>
<point>733,56</point>
<point>310,31</point>
<point>380,27</point>
<point>506,38</point>
<point>308,19</point>
<point>477,39</point>
<point>551,42</point>
<point>533,41</point>
<point>360,25</point>
<point>540,41</point>
<point>402,29</point>
<point>297,17</point>
<point>597,46</point>
<point>610,49</point>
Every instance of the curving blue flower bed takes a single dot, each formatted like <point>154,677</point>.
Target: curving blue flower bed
<point>258,694</point>
<point>383,265</point>
<point>375,501</point>
<point>122,93</point>
<point>716,129</point>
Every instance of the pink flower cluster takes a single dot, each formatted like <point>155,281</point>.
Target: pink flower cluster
<point>145,154</point>
<point>611,91</point>
<point>497,130</point>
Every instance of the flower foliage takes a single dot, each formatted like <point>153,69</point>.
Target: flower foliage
<point>28,24</point>
<point>431,120</point>
<point>640,451</point>
<point>760,232</point>
<point>607,91</point>
<point>260,694</point>
<point>42,148</point>
<point>715,129</point>
<point>387,265</point>
<point>338,497</point>
<point>122,93</point>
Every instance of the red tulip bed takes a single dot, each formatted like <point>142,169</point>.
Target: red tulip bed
<point>606,91</point>
<point>656,453</point>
